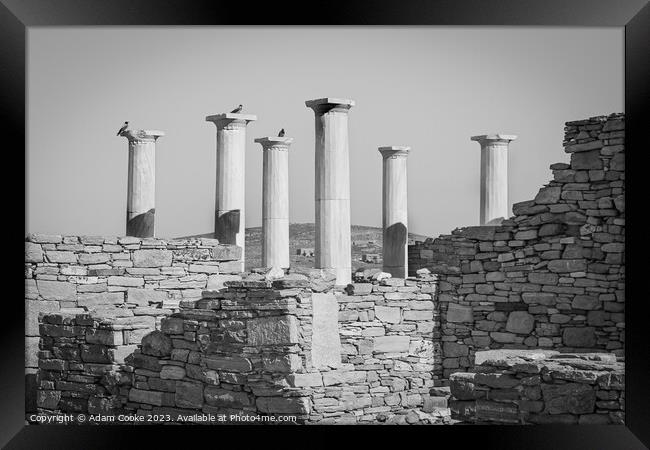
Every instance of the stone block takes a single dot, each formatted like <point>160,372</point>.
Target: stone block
<point>226,252</point>
<point>156,343</point>
<point>283,405</point>
<point>579,337</point>
<point>172,325</point>
<point>188,394</point>
<point>144,297</point>
<point>548,195</point>
<point>359,288</point>
<point>587,302</point>
<point>215,396</point>
<point>104,337</point>
<point>282,363</point>
<point>326,341</point>
<point>305,379</point>
<point>61,257</point>
<point>228,363</point>
<point>418,315</point>
<point>588,160</point>
<point>391,344</point>
<point>126,281</point>
<point>169,372</point>
<point>458,313</point>
<point>48,399</point>
<point>152,258</point>
<point>32,309</point>
<point>520,322</point>
<point>33,252</point>
<point>94,258</point>
<point>567,265</point>
<point>148,397</point>
<point>454,349</point>
<point>574,398</point>
<point>274,330</point>
<point>95,299</point>
<point>334,377</point>
<point>57,290</point>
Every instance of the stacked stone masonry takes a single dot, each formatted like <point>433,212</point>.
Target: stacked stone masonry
<point>553,275</point>
<point>137,280</point>
<point>247,349</point>
<point>515,387</point>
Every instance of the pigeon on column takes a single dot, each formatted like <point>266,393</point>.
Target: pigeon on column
<point>123,129</point>
<point>281,133</point>
<point>237,109</point>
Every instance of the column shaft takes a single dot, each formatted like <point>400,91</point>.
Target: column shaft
<point>230,199</point>
<point>275,202</point>
<point>395,211</point>
<point>494,177</point>
<point>332,187</point>
<point>141,189</point>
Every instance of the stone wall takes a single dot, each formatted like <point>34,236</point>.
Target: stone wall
<point>515,387</point>
<point>138,280</point>
<point>260,347</point>
<point>553,275</point>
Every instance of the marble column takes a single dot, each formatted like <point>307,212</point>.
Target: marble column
<point>395,210</point>
<point>141,190</point>
<point>275,201</point>
<point>494,177</point>
<point>332,190</point>
<point>229,217</point>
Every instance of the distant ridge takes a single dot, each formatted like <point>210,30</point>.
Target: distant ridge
<point>365,240</point>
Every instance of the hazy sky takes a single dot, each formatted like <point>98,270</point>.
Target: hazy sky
<point>427,87</point>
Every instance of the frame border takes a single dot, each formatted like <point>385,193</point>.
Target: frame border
<point>17,15</point>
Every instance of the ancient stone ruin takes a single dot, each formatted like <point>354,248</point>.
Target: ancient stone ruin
<point>520,320</point>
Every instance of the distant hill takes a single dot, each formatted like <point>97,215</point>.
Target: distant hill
<point>365,241</point>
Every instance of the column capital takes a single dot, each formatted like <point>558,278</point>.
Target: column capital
<point>394,151</point>
<point>231,119</point>
<point>495,137</point>
<point>142,135</point>
<point>274,141</point>
<point>326,104</point>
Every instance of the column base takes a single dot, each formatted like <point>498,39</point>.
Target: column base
<point>141,225</point>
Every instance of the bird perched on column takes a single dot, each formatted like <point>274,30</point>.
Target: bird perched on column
<point>281,133</point>
<point>237,109</point>
<point>123,129</point>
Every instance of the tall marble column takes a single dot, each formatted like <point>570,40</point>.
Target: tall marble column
<point>141,190</point>
<point>494,177</point>
<point>395,210</point>
<point>229,217</point>
<point>275,201</point>
<point>332,190</point>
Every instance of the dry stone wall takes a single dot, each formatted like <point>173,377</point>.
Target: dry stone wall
<point>137,280</point>
<point>553,275</point>
<point>515,387</point>
<point>248,349</point>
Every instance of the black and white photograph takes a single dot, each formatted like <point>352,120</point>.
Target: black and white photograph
<point>325,225</point>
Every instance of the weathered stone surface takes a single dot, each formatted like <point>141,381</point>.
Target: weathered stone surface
<point>276,330</point>
<point>188,394</point>
<point>391,344</point>
<point>571,398</point>
<point>33,252</point>
<point>126,281</point>
<point>56,290</point>
<point>588,302</point>
<point>169,372</point>
<point>579,337</point>
<point>152,258</point>
<point>283,405</point>
<point>458,313</point>
<point>148,397</point>
<point>388,314</point>
<point>326,341</point>
<point>453,349</point>
<point>567,265</point>
<point>104,337</point>
<point>548,195</point>
<point>216,282</point>
<point>156,343</point>
<point>228,363</point>
<point>144,297</point>
<point>221,397</point>
<point>305,379</point>
<point>520,322</point>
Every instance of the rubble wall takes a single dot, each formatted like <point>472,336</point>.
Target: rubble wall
<point>553,275</point>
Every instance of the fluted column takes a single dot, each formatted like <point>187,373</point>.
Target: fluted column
<point>230,202</point>
<point>141,190</point>
<point>275,201</point>
<point>332,189</point>
<point>395,210</point>
<point>494,177</point>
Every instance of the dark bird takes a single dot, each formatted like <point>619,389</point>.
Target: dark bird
<point>237,109</point>
<point>281,133</point>
<point>123,129</point>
